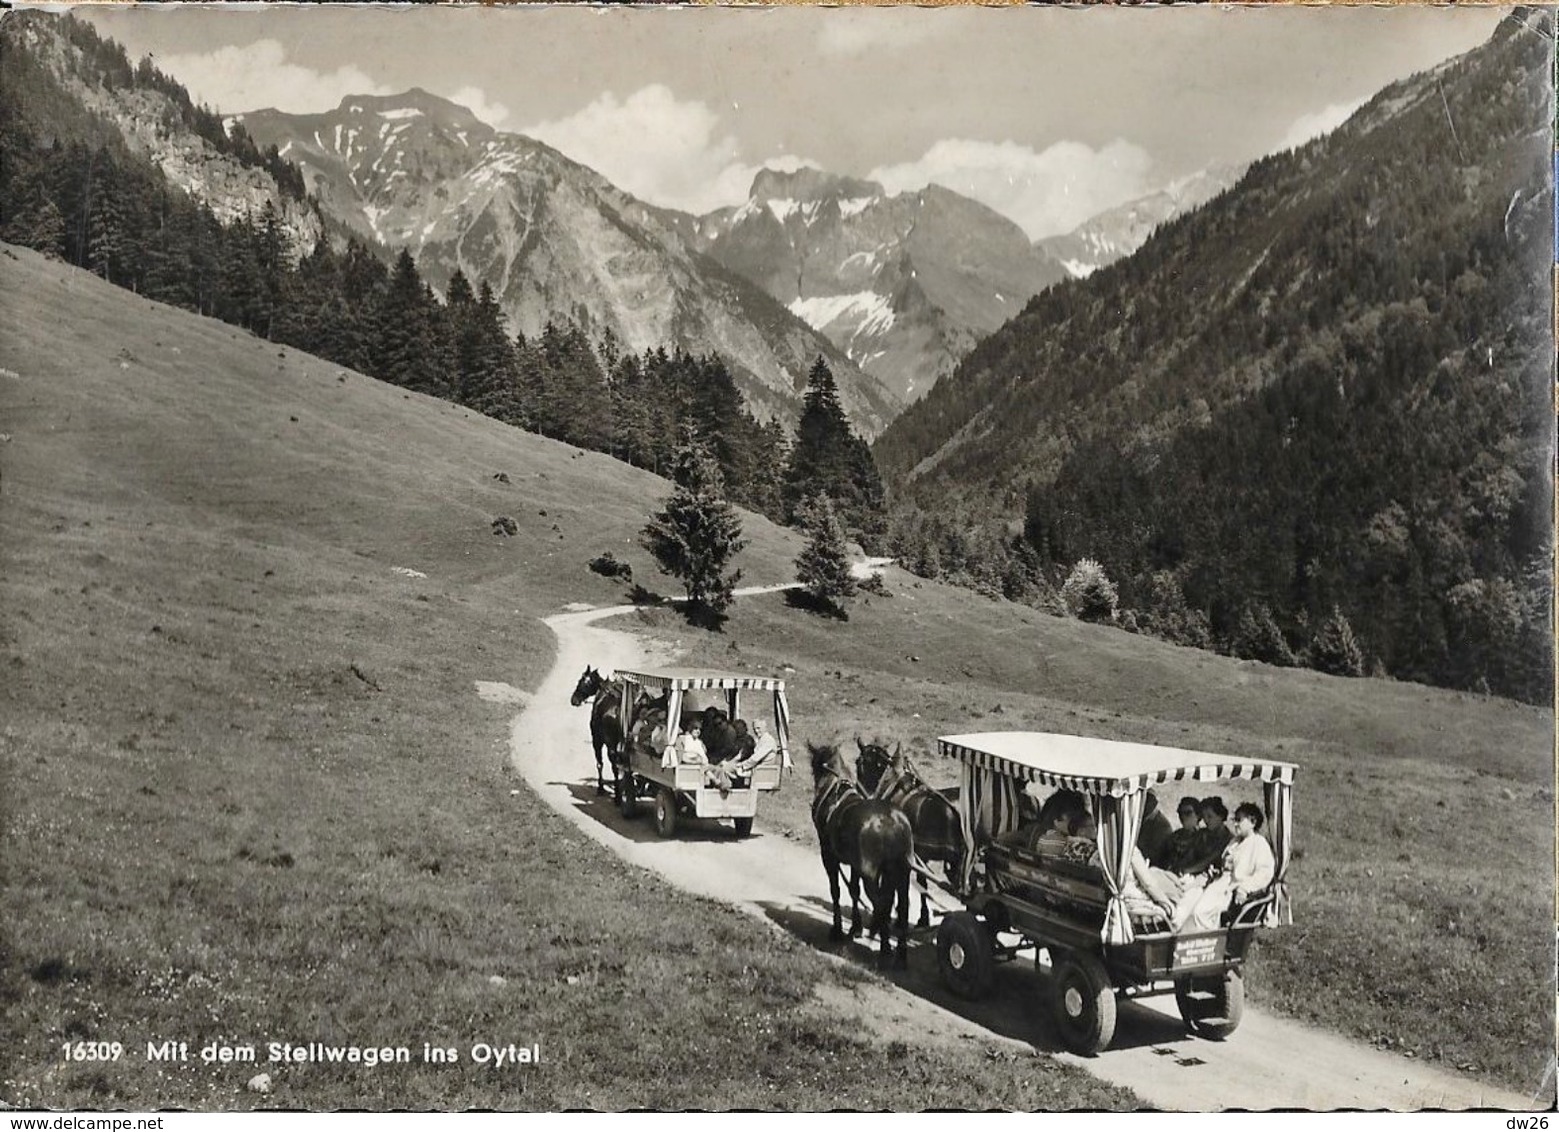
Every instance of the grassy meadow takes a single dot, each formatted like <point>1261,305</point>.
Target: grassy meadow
<point>251,793</point>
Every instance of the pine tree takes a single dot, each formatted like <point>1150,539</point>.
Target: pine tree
<point>1335,649</point>
<point>408,351</point>
<point>829,459</point>
<point>1257,637</point>
<point>823,566</point>
<point>697,533</point>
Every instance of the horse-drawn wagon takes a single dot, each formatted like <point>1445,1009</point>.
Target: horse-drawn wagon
<point>654,708</point>
<point>1079,915</point>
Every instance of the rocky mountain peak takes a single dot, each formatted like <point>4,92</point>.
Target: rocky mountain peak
<point>809,184</point>
<point>413,104</point>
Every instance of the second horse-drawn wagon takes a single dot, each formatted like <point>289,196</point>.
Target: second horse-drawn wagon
<point>656,708</point>
<point>1080,914</point>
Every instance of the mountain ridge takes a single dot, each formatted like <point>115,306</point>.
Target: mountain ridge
<point>553,238</point>
<point>904,283</point>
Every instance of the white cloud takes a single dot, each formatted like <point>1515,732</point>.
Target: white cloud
<point>847,32</point>
<point>474,99</point>
<point>1308,127</point>
<point>257,76</point>
<point>1045,193</point>
<point>661,149</point>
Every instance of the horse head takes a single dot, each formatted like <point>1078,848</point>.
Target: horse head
<point>871,764</point>
<point>826,763</point>
<point>589,684</point>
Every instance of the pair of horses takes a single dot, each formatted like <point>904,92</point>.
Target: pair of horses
<point>882,829</point>
<point>607,738</point>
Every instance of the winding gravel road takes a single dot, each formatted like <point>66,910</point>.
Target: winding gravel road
<point>1270,1063</point>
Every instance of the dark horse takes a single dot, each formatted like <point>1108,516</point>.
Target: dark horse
<point>938,834</point>
<point>606,728</point>
<point>874,839</point>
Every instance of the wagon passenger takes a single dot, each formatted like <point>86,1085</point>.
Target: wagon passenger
<point>690,748</point>
<point>757,746</point>
<point>1082,840</point>
<point>1155,827</point>
<point>1215,839</point>
<point>1180,847</point>
<point>1146,897</point>
<point>726,766</point>
<point>1248,869</point>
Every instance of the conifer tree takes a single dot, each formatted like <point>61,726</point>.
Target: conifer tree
<point>1335,649</point>
<point>823,566</point>
<point>697,532</point>
<point>407,351</point>
<point>829,459</point>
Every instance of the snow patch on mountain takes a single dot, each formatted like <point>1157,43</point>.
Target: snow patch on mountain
<point>865,311</point>
<point>400,113</point>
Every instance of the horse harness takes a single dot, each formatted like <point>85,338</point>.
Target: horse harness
<point>901,787</point>
<point>832,799</point>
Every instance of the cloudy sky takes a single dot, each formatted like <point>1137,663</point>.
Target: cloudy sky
<point>1046,114</point>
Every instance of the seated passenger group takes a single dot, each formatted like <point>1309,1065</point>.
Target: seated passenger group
<point>1189,876</point>
<point>741,748</point>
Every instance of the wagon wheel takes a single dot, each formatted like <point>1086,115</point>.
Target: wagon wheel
<point>966,955</point>
<point>1084,1004</point>
<point>628,800</point>
<point>743,827</point>
<point>1212,1007</point>
<point>665,812</point>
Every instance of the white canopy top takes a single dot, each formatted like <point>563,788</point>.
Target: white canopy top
<point>689,679</point>
<point>1101,766</point>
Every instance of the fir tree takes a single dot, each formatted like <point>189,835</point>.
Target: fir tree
<point>1257,637</point>
<point>1335,649</point>
<point>829,459</point>
<point>823,566</point>
<point>697,533</point>
<point>408,351</point>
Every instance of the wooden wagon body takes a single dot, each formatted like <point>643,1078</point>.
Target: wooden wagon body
<point>1077,915</point>
<point>691,790</point>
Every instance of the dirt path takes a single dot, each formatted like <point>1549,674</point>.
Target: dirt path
<point>1269,1063</point>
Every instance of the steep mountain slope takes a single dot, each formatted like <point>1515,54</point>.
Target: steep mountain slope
<point>1327,394</point>
<point>1223,301</point>
<point>61,75</point>
<point>553,238</point>
<point>1118,232</point>
<point>903,284</point>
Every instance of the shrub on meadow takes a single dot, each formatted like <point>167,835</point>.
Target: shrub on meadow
<point>1088,592</point>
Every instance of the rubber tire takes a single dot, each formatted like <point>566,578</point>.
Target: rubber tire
<point>665,812</point>
<point>1084,1004</point>
<point>743,827</point>
<point>965,955</point>
<point>1212,1011</point>
<point>628,803</point>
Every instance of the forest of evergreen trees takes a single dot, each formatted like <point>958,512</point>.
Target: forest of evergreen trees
<point>1322,399</point>
<point>70,188</point>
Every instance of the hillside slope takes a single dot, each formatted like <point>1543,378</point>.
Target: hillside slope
<point>262,649</point>
<point>241,736</point>
<point>1349,352</point>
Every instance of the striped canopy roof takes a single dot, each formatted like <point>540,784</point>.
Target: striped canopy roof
<point>1101,766</point>
<point>688,679</point>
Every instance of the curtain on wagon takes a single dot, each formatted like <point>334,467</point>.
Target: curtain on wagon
<point>782,729</point>
<point>1119,819</point>
<point>1279,797</point>
<point>987,808</point>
